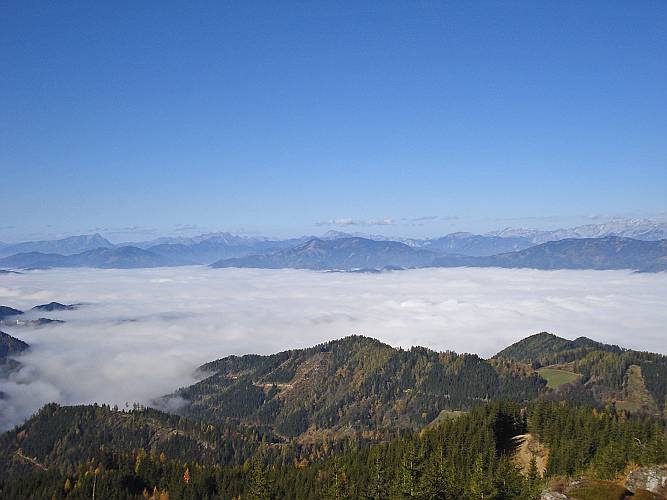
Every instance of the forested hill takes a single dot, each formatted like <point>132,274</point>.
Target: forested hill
<point>607,374</point>
<point>356,383</point>
<point>545,349</point>
<point>61,436</point>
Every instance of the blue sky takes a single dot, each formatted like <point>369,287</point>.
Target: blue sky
<point>415,118</point>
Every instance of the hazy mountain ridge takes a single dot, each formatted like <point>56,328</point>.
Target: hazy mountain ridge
<point>6,311</point>
<point>66,246</point>
<point>338,254</point>
<point>609,252</point>
<point>212,250</point>
<point>595,246</point>
<point>475,245</point>
<point>16,318</point>
<point>104,258</point>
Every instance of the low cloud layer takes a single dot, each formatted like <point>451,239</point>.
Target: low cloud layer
<point>143,332</point>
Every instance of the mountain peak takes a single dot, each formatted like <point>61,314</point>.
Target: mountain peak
<point>55,306</point>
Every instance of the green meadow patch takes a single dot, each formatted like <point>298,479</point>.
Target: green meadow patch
<point>555,377</point>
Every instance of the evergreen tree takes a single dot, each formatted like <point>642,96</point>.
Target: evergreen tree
<point>408,474</point>
<point>534,479</point>
<point>509,482</point>
<point>480,485</point>
<point>439,479</point>
<point>337,487</point>
<point>259,486</point>
<point>377,486</point>
<point>609,461</point>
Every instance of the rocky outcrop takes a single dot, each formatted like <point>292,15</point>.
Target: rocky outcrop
<point>552,495</point>
<point>653,479</point>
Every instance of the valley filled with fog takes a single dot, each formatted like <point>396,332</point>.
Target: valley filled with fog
<point>140,334</point>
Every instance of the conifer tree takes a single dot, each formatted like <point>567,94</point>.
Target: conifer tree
<point>439,480</point>
<point>534,486</point>
<point>480,485</point>
<point>337,488</point>
<point>377,488</point>
<point>408,474</point>
<point>509,482</point>
<point>259,487</point>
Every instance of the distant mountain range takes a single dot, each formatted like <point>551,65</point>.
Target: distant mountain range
<point>202,249</point>
<point>338,254</point>
<point>597,246</point>
<point>638,229</point>
<point>354,254</point>
<point>358,253</point>
<point>475,245</point>
<point>610,252</point>
<point>105,258</point>
<point>66,246</point>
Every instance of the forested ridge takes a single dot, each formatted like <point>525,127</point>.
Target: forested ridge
<point>355,382</point>
<point>356,418</point>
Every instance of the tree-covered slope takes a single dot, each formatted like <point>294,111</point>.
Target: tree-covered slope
<point>354,383</point>
<point>10,345</point>
<point>468,457</point>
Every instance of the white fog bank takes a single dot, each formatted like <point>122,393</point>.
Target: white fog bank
<point>143,332</point>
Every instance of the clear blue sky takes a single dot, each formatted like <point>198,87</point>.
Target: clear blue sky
<point>271,117</point>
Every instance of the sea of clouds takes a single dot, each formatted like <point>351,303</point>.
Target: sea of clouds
<point>142,333</point>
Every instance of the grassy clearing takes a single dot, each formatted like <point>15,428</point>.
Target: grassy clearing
<point>555,377</point>
<point>598,490</point>
<point>636,396</point>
